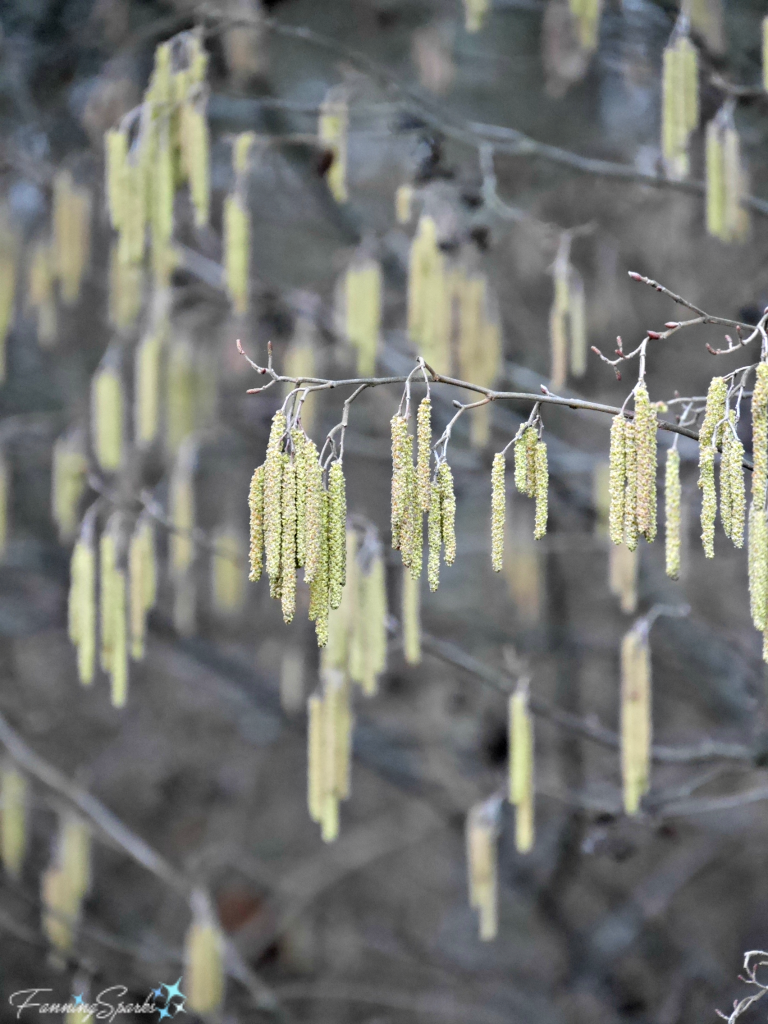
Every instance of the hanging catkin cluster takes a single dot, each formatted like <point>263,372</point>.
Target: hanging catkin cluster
<point>298,521</point>
<point>332,131</point>
<point>482,831</point>
<point>635,717</point>
<point>710,437</point>
<point>14,800</point>
<point>66,882</point>
<point>204,973</point>
<point>727,219</point>
<point>359,315</point>
<point>632,474</point>
<point>521,791</point>
<point>757,557</point>
<point>237,226</point>
<point>357,628</point>
<point>733,500</point>
<point>329,742</point>
<point>680,100</point>
<point>567,319</point>
<point>532,475</point>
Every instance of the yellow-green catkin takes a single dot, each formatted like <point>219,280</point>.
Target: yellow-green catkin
<point>82,600</point>
<point>126,291</point>
<point>587,16</point>
<point>498,510</point>
<point>558,321</point>
<point>617,479</point>
<point>332,130</point>
<point>577,323</point>
<point>412,528</point>
<point>68,482</point>
<point>147,367</point>
<point>400,462</point>
<point>423,452</point>
<point>256,510</point>
<point>9,259</point>
<point>107,417</point>
<point>66,882</point>
<point>475,13</point>
<point>368,647</point>
<point>521,792</point>
<point>113,602</point>
<point>181,405</point>
<point>623,564</point>
<point>680,101</point>
<point>329,747</point>
<point>448,512</point>
<point>181,512</point>
<point>228,577</point>
<point>672,494</point>
<point>631,531</point>
<point>525,462</point>
<point>732,490</point>
<point>635,717</point>
<point>313,505</point>
<point>237,228</point>
<point>71,234</point>
<point>757,559</point>
<point>14,798</point>
<point>142,578</point>
<point>434,535</point>
<point>646,446</point>
<point>542,491</point>
<point>273,482</point>
<point>204,973</point>
<point>403,203</point>
<point>362,296</point>
<point>411,612</point>
<point>195,152</point>
<point>337,543</point>
<point>319,604</point>
<point>40,292</point>
<point>710,436</point>
<point>482,866</point>
<point>300,363</point>
<point>726,217</point>
<point>288,539</point>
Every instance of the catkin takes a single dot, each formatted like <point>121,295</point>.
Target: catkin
<point>617,479</point>
<point>107,417</point>
<point>498,510</point>
<point>710,436</point>
<point>525,466</point>
<point>14,798</point>
<point>273,481</point>
<point>142,576</point>
<point>147,384</point>
<point>448,512</point>
<point>332,130</point>
<point>181,511</point>
<point>362,296</point>
<point>313,528</point>
<point>760,434</point>
<point>732,490</point>
<point>227,576</point>
<point>646,446</point>
<point>181,403</point>
<point>423,449</point>
<point>475,12</point>
<point>195,149</point>
<point>635,717</point>
<point>237,252</point>
<point>319,605</point>
<point>337,545</point>
<point>672,513</point>
<point>412,530</point>
<point>82,601</point>
<point>204,973</point>
<point>300,440</point>
<point>521,767</point>
<point>542,491</point>
<point>482,869</point>
<point>403,203</point>
<point>256,509</point>
<point>434,535</point>
<point>68,483</point>
<point>757,557</point>
<point>71,234</point>
<point>587,15</point>
<point>726,217</point>
<point>400,460</point>
<point>40,292</point>
<point>631,530</point>
<point>411,612</point>
<point>680,103</point>
<point>622,576</point>
<point>288,539</point>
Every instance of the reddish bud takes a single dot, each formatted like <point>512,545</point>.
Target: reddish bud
<point>654,334</point>
<point>635,276</point>
<point>671,323</point>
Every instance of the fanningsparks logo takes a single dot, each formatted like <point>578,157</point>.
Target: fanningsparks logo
<point>165,1001</point>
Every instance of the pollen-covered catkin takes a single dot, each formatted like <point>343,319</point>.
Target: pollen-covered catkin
<point>411,612</point>
<point>337,526</point>
<point>708,500</point>
<point>412,529</point>
<point>273,482</point>
<point>319,605</point>
<point>645,436</point>
<point>672,513</point>
<point>256,509</point>
<point>631,531</point>
<point>525,466</point>
<point>423,450</point>
<point>498,510</point>
<point>760,434</point>
<point>299,440</point>
<point>399,429</point>
<point>448,512</point>
<point>733,492</point>
<point>617,479</point>
<point>435,535</point>
<point>288,539</point>
<point>542,491</point>
<point>635,717</point>
<point>313,478</point>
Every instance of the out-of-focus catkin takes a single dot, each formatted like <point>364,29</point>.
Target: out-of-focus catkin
<point>680,100</point>
<point>521,791</point>
<point>672,495</point>
<point>332,130</point>
<point>204,973</point>
<point>475,13</point>
<point>68,482</point>
<point>498,509</point>
<point>362,300</point>
<point>228,577</point>
<point>71,234</point>
<point>142,577</point>
<point>82,599</point>
<point>622,576</point>
<point>14,798</point>
<point>411,613</point>
<point>635,717</point>
<point>482,866</point>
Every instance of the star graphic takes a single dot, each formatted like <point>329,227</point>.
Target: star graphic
<point>78,1000</point>
<point>174,990</point>
<point>178,1008</point>
<point>157,992</point>
<point>163,1012</point>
